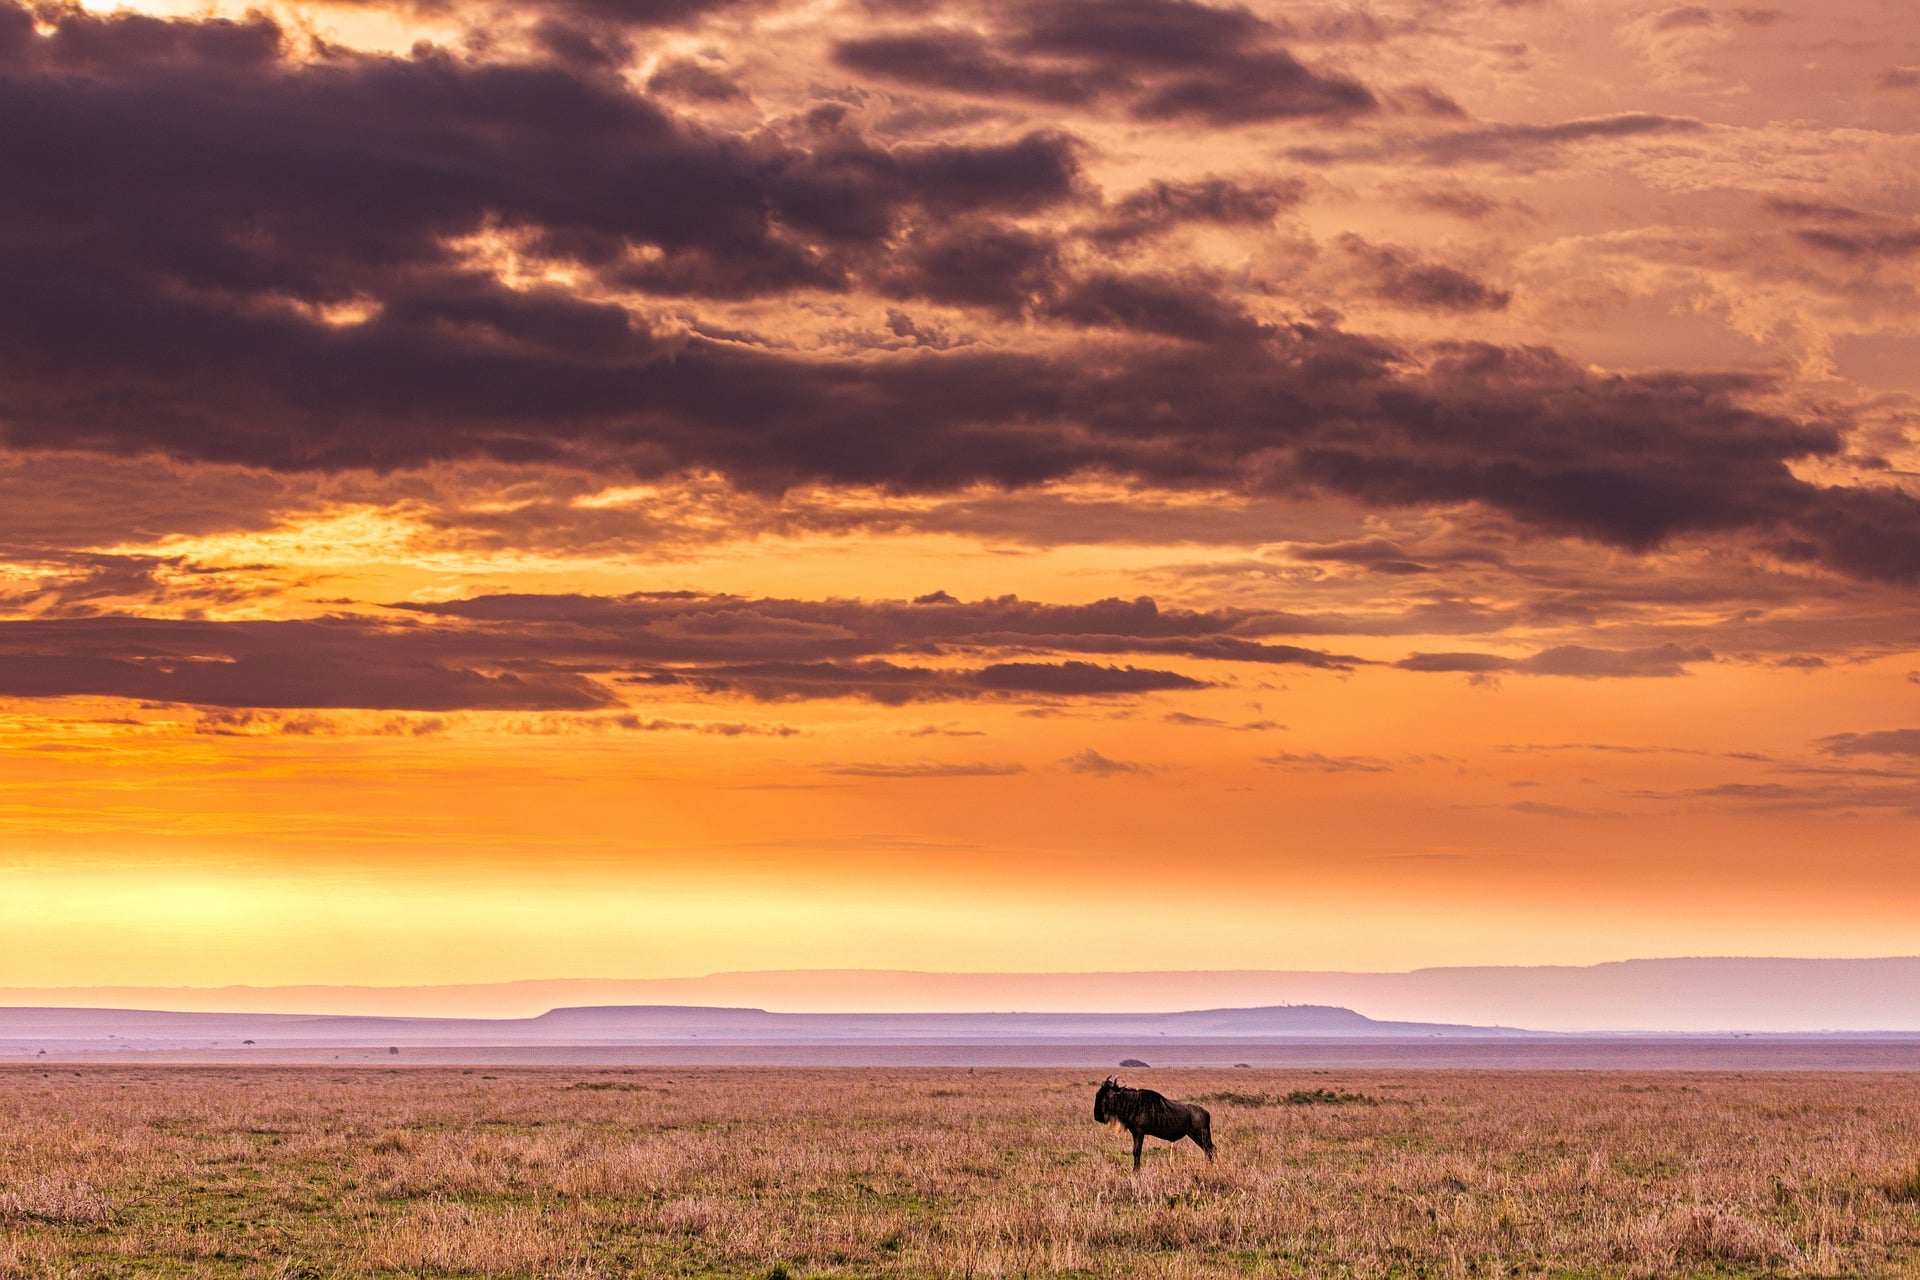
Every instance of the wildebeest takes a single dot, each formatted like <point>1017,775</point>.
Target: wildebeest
<point>1144,1113</point>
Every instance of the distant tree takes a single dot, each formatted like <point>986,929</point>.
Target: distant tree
<point>1132,1062</point>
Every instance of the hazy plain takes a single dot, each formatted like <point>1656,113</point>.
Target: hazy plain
<point>755,1172</point>
<point>1571,1053</point>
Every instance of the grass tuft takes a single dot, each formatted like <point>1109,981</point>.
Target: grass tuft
<point>54,1199</point>
<point>1294,1098</point>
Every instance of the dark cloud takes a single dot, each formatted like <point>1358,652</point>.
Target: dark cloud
<point>1518,146</point>
<point>1824,796</point>
<point>712,728</point>
<point>685,78</point>
<point>250,723</point>
<point>1381,555</point>
<point>615,15</point>
<point>909,330</point>
<point>275,221</point>
<point>1093,764</point>
<point>1595,664</point>
<point>1692,15</point>
<point>1906,774</point>
<point>1174,34</point>
<point>1541,809</point>
<point>1866,532</point>
<point>1903,243</point>
<point>874,680</point>
<point>69,584</point>
<point>637,13</point>
<point>80,41</point>
<point>1424,100</point>
<point>1813,210</point>
<point>1165,59</point>
<point>1398,276</point>
<point>1462,663</point>
<point>890,684</point>
<point>942,731</point>
<point>554,653</point>
<point>1611,748</point>
<point>1268,85</point>
<point>1771,792</point>
<point>1581,661</point>
<point>1318,763</point>
<point>980,264</point>
<point>966,62</point>
<point>926,769</point>
<point>1235,649</point>
<point>1567,450</point>
<point>580,653</point>
<point>1503,140</point>
<point>224,723</point>
<point>1884,742</point>
<point>1337,25</point>
<point>1859,237</point>
<point>1080,679</point>
<point>1161,206</point>
<point>588,48</point>
<point>233,257</point>
<point>1211,722</point>
<point>69,504</point>
<point>681,627</point>
<point>335,663</point>
<point>1457,201</point>
<point>1172,307</point>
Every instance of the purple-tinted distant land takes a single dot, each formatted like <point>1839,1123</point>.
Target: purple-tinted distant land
<point>1682,1013</point>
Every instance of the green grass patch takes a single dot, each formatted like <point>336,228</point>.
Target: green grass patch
<point>1296,1098</point>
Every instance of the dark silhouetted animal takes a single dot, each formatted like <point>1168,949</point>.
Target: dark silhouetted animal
<point>1144,1114</point>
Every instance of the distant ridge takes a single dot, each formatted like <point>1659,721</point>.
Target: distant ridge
<point>25,1032</point>
<point>1695,994</point>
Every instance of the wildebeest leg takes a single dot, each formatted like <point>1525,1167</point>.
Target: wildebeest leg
<point>1139,1140</point>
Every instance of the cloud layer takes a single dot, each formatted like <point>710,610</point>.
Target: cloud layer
<point>378,261</point>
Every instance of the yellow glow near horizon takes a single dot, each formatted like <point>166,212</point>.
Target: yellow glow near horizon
<point>157,924</point>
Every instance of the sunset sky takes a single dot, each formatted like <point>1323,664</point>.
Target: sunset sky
<point>648,487</point>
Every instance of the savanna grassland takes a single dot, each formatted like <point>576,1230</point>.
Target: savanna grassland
<point>309,1172</point>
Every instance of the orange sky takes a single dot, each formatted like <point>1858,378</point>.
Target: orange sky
<point>586,489</point>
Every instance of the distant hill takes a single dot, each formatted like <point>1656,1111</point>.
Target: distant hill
<point>1707,994</point>
<point>752,1024</point>
<point>26,1031</point>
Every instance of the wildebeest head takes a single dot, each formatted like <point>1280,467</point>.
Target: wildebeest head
<point>1100,1113</point>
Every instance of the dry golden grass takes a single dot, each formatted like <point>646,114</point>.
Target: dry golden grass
<point>309,1172</point>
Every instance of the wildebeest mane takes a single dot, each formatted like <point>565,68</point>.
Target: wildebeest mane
<point>1136,1108</point>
